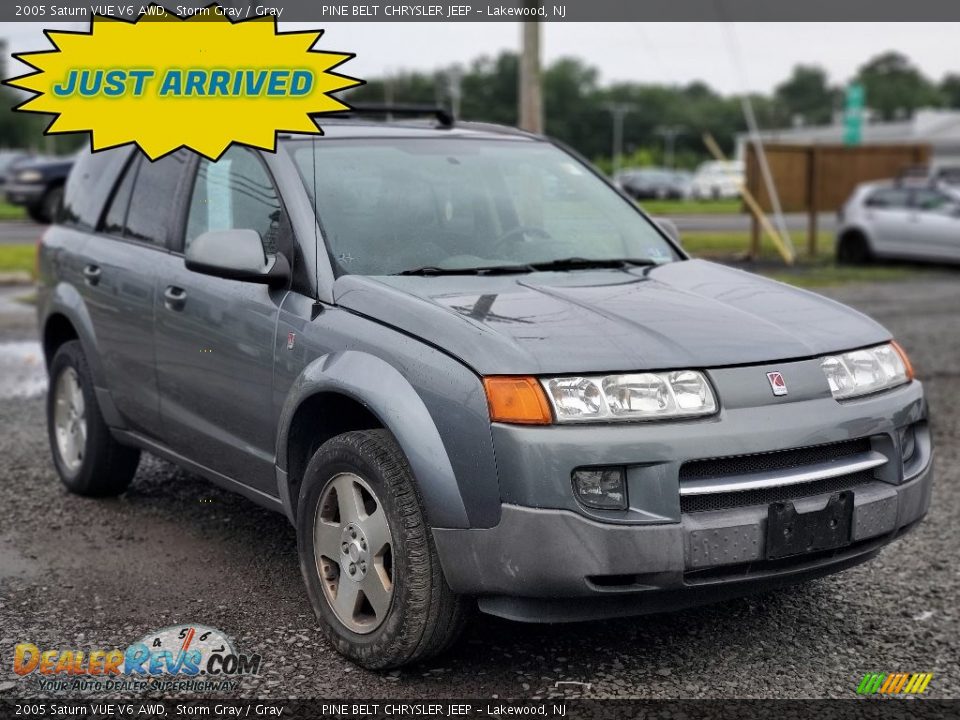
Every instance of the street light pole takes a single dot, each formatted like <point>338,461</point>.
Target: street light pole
<point>618,112</point>
<point>669,134</point>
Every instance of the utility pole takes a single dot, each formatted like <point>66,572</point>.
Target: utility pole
<point>669,134</point>
<point>618,111</point>
<point>455,88</point>
<point>530,91</point>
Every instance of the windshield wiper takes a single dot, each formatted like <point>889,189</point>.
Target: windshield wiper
<point>428,270</point>
<point>579,263</point>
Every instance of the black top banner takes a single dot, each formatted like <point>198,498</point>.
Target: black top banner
<point>505,11</point>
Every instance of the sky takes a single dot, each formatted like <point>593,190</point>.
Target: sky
<point>730,57</point>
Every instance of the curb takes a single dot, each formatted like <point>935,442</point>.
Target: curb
<point>11,279</point>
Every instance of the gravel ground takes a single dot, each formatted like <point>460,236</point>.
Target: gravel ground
<point>84,573</point>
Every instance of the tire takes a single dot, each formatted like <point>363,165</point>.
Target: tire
<point>101,467</point>
<point>35,212</point>
<point>420,616</point>
<point>853,249</point>
<point>50,204</point>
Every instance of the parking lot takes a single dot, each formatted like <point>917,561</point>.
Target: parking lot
<point>85,573</point>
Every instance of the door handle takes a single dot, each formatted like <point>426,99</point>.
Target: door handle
<point>91,274</point>
<point>174,297</point>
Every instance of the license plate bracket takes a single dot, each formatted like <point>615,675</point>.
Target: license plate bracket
<point>791,533</point>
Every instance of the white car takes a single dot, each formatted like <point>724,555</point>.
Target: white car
<point>717,180</point>
<point>900,220</point>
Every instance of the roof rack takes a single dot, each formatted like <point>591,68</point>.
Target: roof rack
<point>444,117</point>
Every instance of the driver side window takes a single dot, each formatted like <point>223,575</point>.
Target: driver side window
<point>236,193</point>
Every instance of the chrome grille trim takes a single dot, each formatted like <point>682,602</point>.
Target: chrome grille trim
<point>788,476</point>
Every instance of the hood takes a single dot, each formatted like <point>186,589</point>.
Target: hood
<point>689,314</point>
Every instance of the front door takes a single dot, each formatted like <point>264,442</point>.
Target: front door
<point>215,337</point>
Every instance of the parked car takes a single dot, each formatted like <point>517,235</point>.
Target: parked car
<point>469,372</point>
<point>9,161</point>
<point>900,220</point>
<point>654,183</point>
<point>38,186</point>
<point>717,180</point>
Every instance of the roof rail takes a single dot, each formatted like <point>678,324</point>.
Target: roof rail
<point>443,116</point>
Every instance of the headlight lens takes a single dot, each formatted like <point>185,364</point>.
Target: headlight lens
<point>29,176</point>
<point>635,396</point>
<point>862,372</point>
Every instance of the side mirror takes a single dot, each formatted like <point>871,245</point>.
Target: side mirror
<point>236,255</point>
<point>670,229</point>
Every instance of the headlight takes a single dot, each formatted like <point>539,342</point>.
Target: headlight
<point>637,396</point>
<point>29,176</point>
<point>862,372</point>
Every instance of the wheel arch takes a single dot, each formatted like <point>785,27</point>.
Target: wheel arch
<point>64,317</point>
<point>355,390</point>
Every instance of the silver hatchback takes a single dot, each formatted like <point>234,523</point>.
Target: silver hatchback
<point>902,221</point>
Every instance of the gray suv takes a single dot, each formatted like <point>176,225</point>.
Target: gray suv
<point>471,373</point>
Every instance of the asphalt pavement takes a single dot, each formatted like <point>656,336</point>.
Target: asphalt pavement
<point>719,223</point>
<point>84,573</point>
<point>17,232</point>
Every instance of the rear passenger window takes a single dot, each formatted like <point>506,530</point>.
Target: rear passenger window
<point>89,186</point>
<point>892,199</point>
<point>114,220</point>
<point>149,215</point>
<point>236,193</point>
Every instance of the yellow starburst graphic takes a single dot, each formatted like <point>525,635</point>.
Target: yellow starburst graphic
<point>166,82</point>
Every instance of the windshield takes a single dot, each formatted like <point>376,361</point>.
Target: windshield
<point>392,205</point>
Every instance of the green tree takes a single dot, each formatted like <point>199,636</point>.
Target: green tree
<point>950,90</point>
<point>806,94</point>
<point>895,87</point>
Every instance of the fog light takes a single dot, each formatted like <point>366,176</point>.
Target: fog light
<point>601,488</point>
<point>908,442</point>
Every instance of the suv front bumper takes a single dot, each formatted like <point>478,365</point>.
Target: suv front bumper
<point>551,560</point>
<point>543,565</point>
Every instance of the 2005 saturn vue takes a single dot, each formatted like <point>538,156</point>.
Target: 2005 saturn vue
<point>470,372</point>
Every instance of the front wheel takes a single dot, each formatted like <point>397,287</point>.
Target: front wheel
<point>367,555</point>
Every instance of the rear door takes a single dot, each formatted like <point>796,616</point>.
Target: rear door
<point>119,273</point>
<point>215,337</point>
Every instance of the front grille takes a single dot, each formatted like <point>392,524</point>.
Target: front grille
<point>774,460</point>
<point>765,496</point>
<point>796,458</point>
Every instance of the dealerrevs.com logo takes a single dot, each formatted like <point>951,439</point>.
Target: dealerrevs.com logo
<point>180,657</point>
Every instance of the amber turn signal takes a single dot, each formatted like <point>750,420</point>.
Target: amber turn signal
<point>514,399</point>
<point>903,356</point>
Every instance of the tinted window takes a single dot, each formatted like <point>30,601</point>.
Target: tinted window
<point>892,198</point>
<point>89,186</point>
<point>236,193</point>
<point>153,194</point>
<point>113,222</point>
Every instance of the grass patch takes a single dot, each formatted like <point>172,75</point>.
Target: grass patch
<point>818,271</point>
<point>692,207</point>
<point>17,258</point>
<point>11,212</point>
